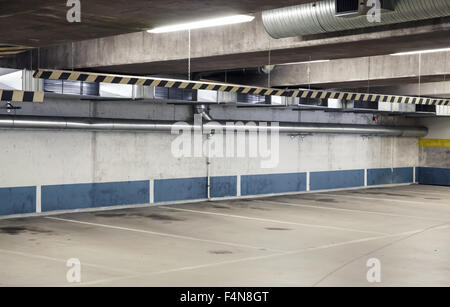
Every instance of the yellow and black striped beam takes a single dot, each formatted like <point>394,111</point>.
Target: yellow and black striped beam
<point>156,82</point>
<point>21,96</point>
<point>233,88</point>
<point>317,94</point>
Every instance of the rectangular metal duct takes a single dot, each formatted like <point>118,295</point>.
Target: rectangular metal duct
<point>351,8</point>
<point>347,7</point>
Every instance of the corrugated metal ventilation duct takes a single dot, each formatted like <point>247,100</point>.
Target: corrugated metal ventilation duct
<point>320,17</point>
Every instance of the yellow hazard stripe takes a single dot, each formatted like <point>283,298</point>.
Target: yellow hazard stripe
<point>125,80</point>
<point>38,97</point>
<point>55,75</point>
<point>155,83</point>
<point>197,86</point>
<point>184,85</point>
<point>17,96</point>
<point>434,142</point>
<point>258,91</point>
<point>91,78</point>
<point>108,79</point>
<point>279,93</point>
<point>246,90</point>
<point>21,96</point>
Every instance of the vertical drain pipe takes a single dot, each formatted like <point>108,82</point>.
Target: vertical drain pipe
<point>202,112</point>
<point>208,165</point>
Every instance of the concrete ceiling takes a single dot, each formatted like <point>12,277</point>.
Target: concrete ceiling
<point>43,22</point>
<point>244,45</point>
<point>429,89</point>
<point>231,47</point>
<point>212,49</point>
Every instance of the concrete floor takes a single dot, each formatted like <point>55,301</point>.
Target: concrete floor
<point>322,239</point>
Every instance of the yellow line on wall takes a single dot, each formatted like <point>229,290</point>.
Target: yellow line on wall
<point>434,142</point>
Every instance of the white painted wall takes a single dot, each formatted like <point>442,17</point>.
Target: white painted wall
<point>31,158</point>
<point>439,127</point>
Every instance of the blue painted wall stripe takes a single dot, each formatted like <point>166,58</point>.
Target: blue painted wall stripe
<point>223,186</point>
<point>403,175</point>
<point>22,200</point>
<point>433,176</point>
<point>91,195</point>
<point>336,179</point>
<point>17,200</point>
<point>381,176</point>
<point>180,189</point>
<point>273,183</point>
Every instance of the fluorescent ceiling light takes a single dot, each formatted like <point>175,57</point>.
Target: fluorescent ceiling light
<point>421,51</point>
<point>307,62</point>
<point>204,24</point>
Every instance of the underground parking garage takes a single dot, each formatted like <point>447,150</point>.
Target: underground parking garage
<point>262,145</point>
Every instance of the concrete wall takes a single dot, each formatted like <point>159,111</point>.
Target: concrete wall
<point>439,127</point>
<point>57,170</point>
<point>44,171</point>
<point>435,152</point>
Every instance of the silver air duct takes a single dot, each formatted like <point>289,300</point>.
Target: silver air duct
<point>321,17</point>
<point>97,124</point>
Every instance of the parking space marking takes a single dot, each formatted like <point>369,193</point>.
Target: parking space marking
<point>407,189</point>
<point>426,193</point>
<point>425,203</point>
<point>263,257</point>
<point>271,253</point>
<point>165,234</point>
<point>35,256</point>
<point>420,187</point>
<point>350,210</point>
<point>434,227</point>
<point>277,221</point>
